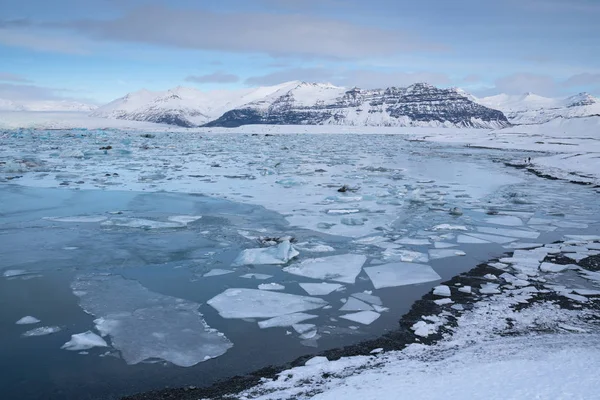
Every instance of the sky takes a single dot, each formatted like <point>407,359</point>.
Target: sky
<point>98,50</point>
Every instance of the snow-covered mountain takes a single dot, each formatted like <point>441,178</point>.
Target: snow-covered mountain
<point>294,103</point>
<point>45,105</point>
<point>530,108</point>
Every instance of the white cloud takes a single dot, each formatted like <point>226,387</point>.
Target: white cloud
<point>215,77</point>
<point>274,34</point>
<point>10,77</point>
<point>41,40</point>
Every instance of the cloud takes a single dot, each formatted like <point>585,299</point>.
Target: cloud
<point>41,40</point>
<point>16,92</point>
<point>10,77</point>
<point>215,77</point>
<point>583,79</point>
<point>367,79</point>
<point>471,78</point>
<point>273,34</point>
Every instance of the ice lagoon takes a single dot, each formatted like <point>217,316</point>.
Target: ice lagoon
<point>183,260</point>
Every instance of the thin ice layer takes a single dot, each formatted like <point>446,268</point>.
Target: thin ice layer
<point>254,303</point>
<point>400,274</point>
<point>320,289</point>
<point>517,233</point>
<point>362,317</point>
<point>341,268</point>
<point>285,320</point>
<point>145,325</point>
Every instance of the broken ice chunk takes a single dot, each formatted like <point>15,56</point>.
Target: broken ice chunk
<point>27,320</point>
<point>84,341</point>
<point>368,297</point>
<point>271,286</point>
<point>316,361</point>
<point>217,272</point>
<point>341,268</point>
<point>78,219</point>
<point>405,255</point>
<point>551,267</point>
<point>448,227</point>
<point>303,328</point>
<point>442,290</point>
<point>143,324</point>
<point>435,254</point>
<point>443,245</point>
<point>285,320</point>
<point>362,317</point>
<point>256,276</point>
<point>492,238</point>
<point>280,254</point>
<point>42,331</point>
<point>355,305</point>
<point>465,239</point>
<point>184,219</point>
<point>320,289</point>
<point>489,288</point>
<point>413,241</point>
<point>442,302</point>
<point>400,274</point>
<point>253,303</point>
<point>506,220</point>
<point>343,211</point>
<point>465,289</point>
<point>141,223</point>
<point>509,232</point>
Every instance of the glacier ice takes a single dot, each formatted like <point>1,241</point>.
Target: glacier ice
<point>145,325</point>
<point>280,254</point>
<point>341,268</point>
<point>320,289</point>
<point>400,274</point>
<point>84,341</point>
<point>254,303</point>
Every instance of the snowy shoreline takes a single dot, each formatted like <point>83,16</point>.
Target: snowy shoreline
<point>508,310</point>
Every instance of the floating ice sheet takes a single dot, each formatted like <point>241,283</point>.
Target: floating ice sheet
<point>274,255</point>
<point>285,320</point>
<point>184,219</point>
<point>465,239</point>
<point>506,220</point>
<point>517,233</point>
<point>271,286</point>
<point>217,272</point>
<point>492,238</point>
<point>405,255</point>
<point>362,317</point>
<point>84,341</point>
<point>449,227</point>
<point>551,267</point>
<point>27,320</point>
<point>42,331</point>
<point>341,268</point>
<point>435,254</point>
<point>400,274</point>
<point>353,304</point>
<point>368,297</point>
<point>256,276</point>
<point>141,223</point>
<point>78,219</point>
<point>144,324</point>
<point>320,289</point>
<point>254,303</point>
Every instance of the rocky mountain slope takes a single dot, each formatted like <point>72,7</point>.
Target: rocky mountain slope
<point>294,103</point>
<point>530,108</point>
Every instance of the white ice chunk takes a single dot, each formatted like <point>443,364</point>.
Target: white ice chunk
<point>405,255</point>
<point>368,297</point>
<point>217,272</point>
<point>355,305</point>
<point>78,219</point>
<point>320,289</point>
<point>143,324</point>
<point>435,254</point>
<point>84,341</point>
<point>400,274</point>
<point>257,276</point>
<point>42,331</point>
<point>141,223</point>
<point>465,289</point>
<point>9,273</point>
<point>27,320</point>
<point>303,328</point>
<point>343,211</point>
<point>184,219</point>
<point>567,224</point>
<point>448,227</point>
<point>413,241</point>
<point>285,320</point>
<point>509,232</point>
<point>489,288</point>
<point>280,254</point>
<point>316,361</point>
<point>492,238</point>
<point>442,290</point>
<point>523,246</point>
<point>362,317</point>
<point>464,239</point>
<point>442,302</point>
<point>424,329</point>
<point>271,286</point>
<point>341,268</point>
<point>551,267</point>
<point>253,303</point>
<point>505,220</point>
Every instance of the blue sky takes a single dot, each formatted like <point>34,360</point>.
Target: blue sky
<point>102,49</point>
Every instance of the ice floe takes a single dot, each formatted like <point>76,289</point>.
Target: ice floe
<point>78,219</point>
<point>42,331</point>
<point>465,239</point>
<point>256,276</point>
<point>353,304</point>
<point>400,274</point>
<point>271,286</point>
<point>285,320</point>
<point>442,290</point>
<point>84,341</point>
<point>368,297</point>
<point>517,233</point>
<point>254,303</point>
<point>217,272</point>
<point>320,289</point>
<point>341,268</point>
<point>274,255</point>
<point>362,317</point>
<point>27,320</point>
<point>449,227</point>
<point>435,254</point>
<point>141,223</point>
<point>143,324</point>
<point>506,220</point>
<point>184,219</point>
